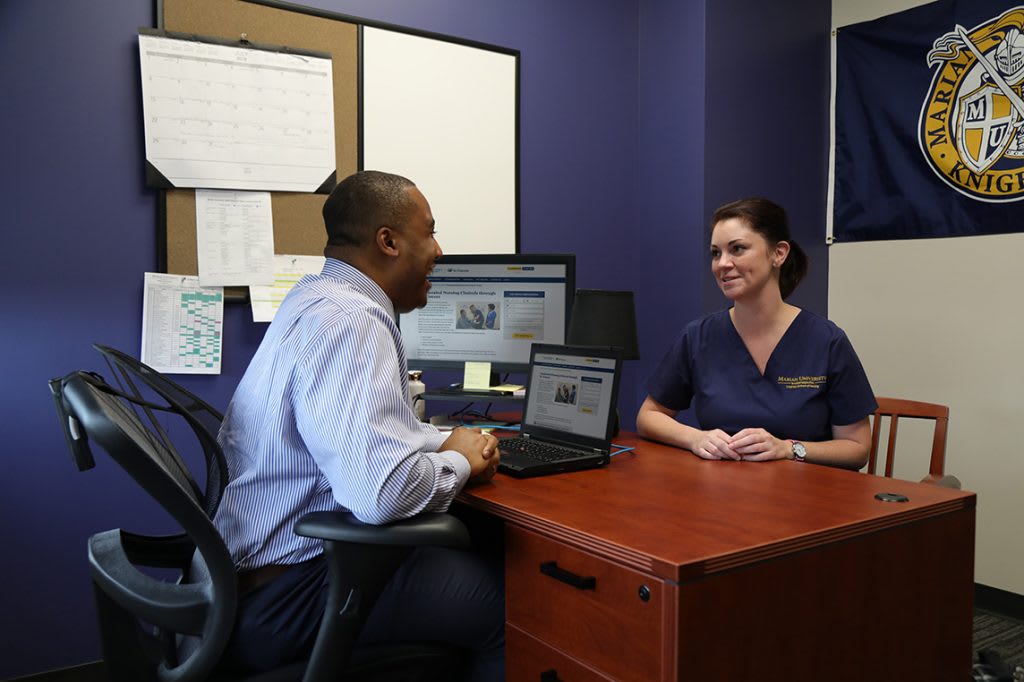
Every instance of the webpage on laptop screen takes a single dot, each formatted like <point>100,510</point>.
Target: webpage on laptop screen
<point>571,393</point>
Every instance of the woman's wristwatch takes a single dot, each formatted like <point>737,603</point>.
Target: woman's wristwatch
<point>799,451</point>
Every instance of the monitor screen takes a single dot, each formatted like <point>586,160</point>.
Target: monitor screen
<point>490,308</point>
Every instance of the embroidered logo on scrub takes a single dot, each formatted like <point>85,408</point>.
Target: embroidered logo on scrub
<point>802,381</point>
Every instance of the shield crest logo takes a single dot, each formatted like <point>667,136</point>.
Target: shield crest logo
<point>985,127</point>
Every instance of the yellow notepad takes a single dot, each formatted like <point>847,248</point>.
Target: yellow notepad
<point>511,388</point>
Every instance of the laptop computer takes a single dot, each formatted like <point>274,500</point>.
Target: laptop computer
<point>570,411</point>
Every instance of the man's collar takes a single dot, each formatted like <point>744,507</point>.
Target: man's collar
<point>358,280</point>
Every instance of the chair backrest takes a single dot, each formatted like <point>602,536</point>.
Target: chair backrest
<point>143,619</point>
<point>204,419</point>
<point>894,409</point>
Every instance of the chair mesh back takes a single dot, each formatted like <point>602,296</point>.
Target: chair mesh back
<point>157,448</point>
<point>204,419</point>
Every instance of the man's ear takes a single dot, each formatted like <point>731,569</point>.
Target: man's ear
<point>386,240</point>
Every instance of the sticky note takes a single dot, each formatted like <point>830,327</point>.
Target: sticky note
<point>477,375</point>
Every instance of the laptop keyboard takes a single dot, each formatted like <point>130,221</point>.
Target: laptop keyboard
<point>544,452</point>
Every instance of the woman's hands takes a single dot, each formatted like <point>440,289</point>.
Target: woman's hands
<point>657,422</point>
<point>757,445</point>
<point>753,445</point>
<point>714,445</point>
<point>848,448</point>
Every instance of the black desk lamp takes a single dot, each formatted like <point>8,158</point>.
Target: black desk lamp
<point>604,318</point>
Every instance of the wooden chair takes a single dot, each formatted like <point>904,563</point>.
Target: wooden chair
<point>894,408</point>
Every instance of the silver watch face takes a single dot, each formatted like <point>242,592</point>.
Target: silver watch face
<point>799,451</point>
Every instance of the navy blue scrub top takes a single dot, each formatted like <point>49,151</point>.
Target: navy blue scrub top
<point>813,379</point>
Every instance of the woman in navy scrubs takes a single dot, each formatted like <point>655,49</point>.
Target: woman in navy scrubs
<point>767,380</point>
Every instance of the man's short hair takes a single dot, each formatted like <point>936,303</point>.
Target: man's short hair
<point>363,202</point>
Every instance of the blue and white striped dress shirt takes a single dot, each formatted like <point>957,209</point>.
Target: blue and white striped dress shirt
<point>322,420</point>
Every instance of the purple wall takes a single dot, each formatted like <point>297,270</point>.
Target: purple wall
<point>767,122</point>
<point>616,165</point>
<point>667,257</point>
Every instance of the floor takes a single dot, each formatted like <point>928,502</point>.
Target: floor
<point>1001,634</point>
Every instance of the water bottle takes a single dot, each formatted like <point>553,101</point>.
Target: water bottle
<point>416,389</point>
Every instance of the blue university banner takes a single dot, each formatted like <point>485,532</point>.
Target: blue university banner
<point>930,123</point>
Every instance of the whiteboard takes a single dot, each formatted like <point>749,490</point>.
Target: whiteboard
<point>443,114</point>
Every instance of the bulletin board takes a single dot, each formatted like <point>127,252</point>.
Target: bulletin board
<point>476,185</point>
<point>298,227</point>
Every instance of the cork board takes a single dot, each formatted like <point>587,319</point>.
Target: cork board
<point>298,226</point>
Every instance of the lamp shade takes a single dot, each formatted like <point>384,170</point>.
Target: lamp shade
<point>604,318</point>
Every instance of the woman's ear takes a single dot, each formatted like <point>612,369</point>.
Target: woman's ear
<point>780,253</point>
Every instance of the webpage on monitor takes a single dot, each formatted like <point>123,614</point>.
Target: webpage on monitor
<point>488,312</point>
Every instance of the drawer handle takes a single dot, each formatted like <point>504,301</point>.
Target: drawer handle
<point>550,568</point>
<point>549,676</point>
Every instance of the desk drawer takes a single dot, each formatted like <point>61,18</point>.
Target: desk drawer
<point>585,606</point>
<point>534,661</point>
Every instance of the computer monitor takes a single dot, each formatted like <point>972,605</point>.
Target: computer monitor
<point>490,308</point>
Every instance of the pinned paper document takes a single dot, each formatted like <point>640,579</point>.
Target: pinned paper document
<point>181,324</point>
<point>288,269</point>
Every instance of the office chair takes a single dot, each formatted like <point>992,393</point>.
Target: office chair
<point>894,408</point>
<point>152,629</point>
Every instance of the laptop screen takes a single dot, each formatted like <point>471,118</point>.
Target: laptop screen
<point>570,393</point>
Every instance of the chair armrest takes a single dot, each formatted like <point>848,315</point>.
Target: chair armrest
<point>181,608</point>
<point>362,559</point>
<point>434,529</point>
<point>946,481</point>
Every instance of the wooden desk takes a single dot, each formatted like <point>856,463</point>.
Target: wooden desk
<point>733,571</point>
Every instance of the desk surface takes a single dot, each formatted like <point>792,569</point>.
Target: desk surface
<point>635,510</point>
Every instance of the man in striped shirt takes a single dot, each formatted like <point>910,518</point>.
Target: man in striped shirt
<point>323,420</point>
